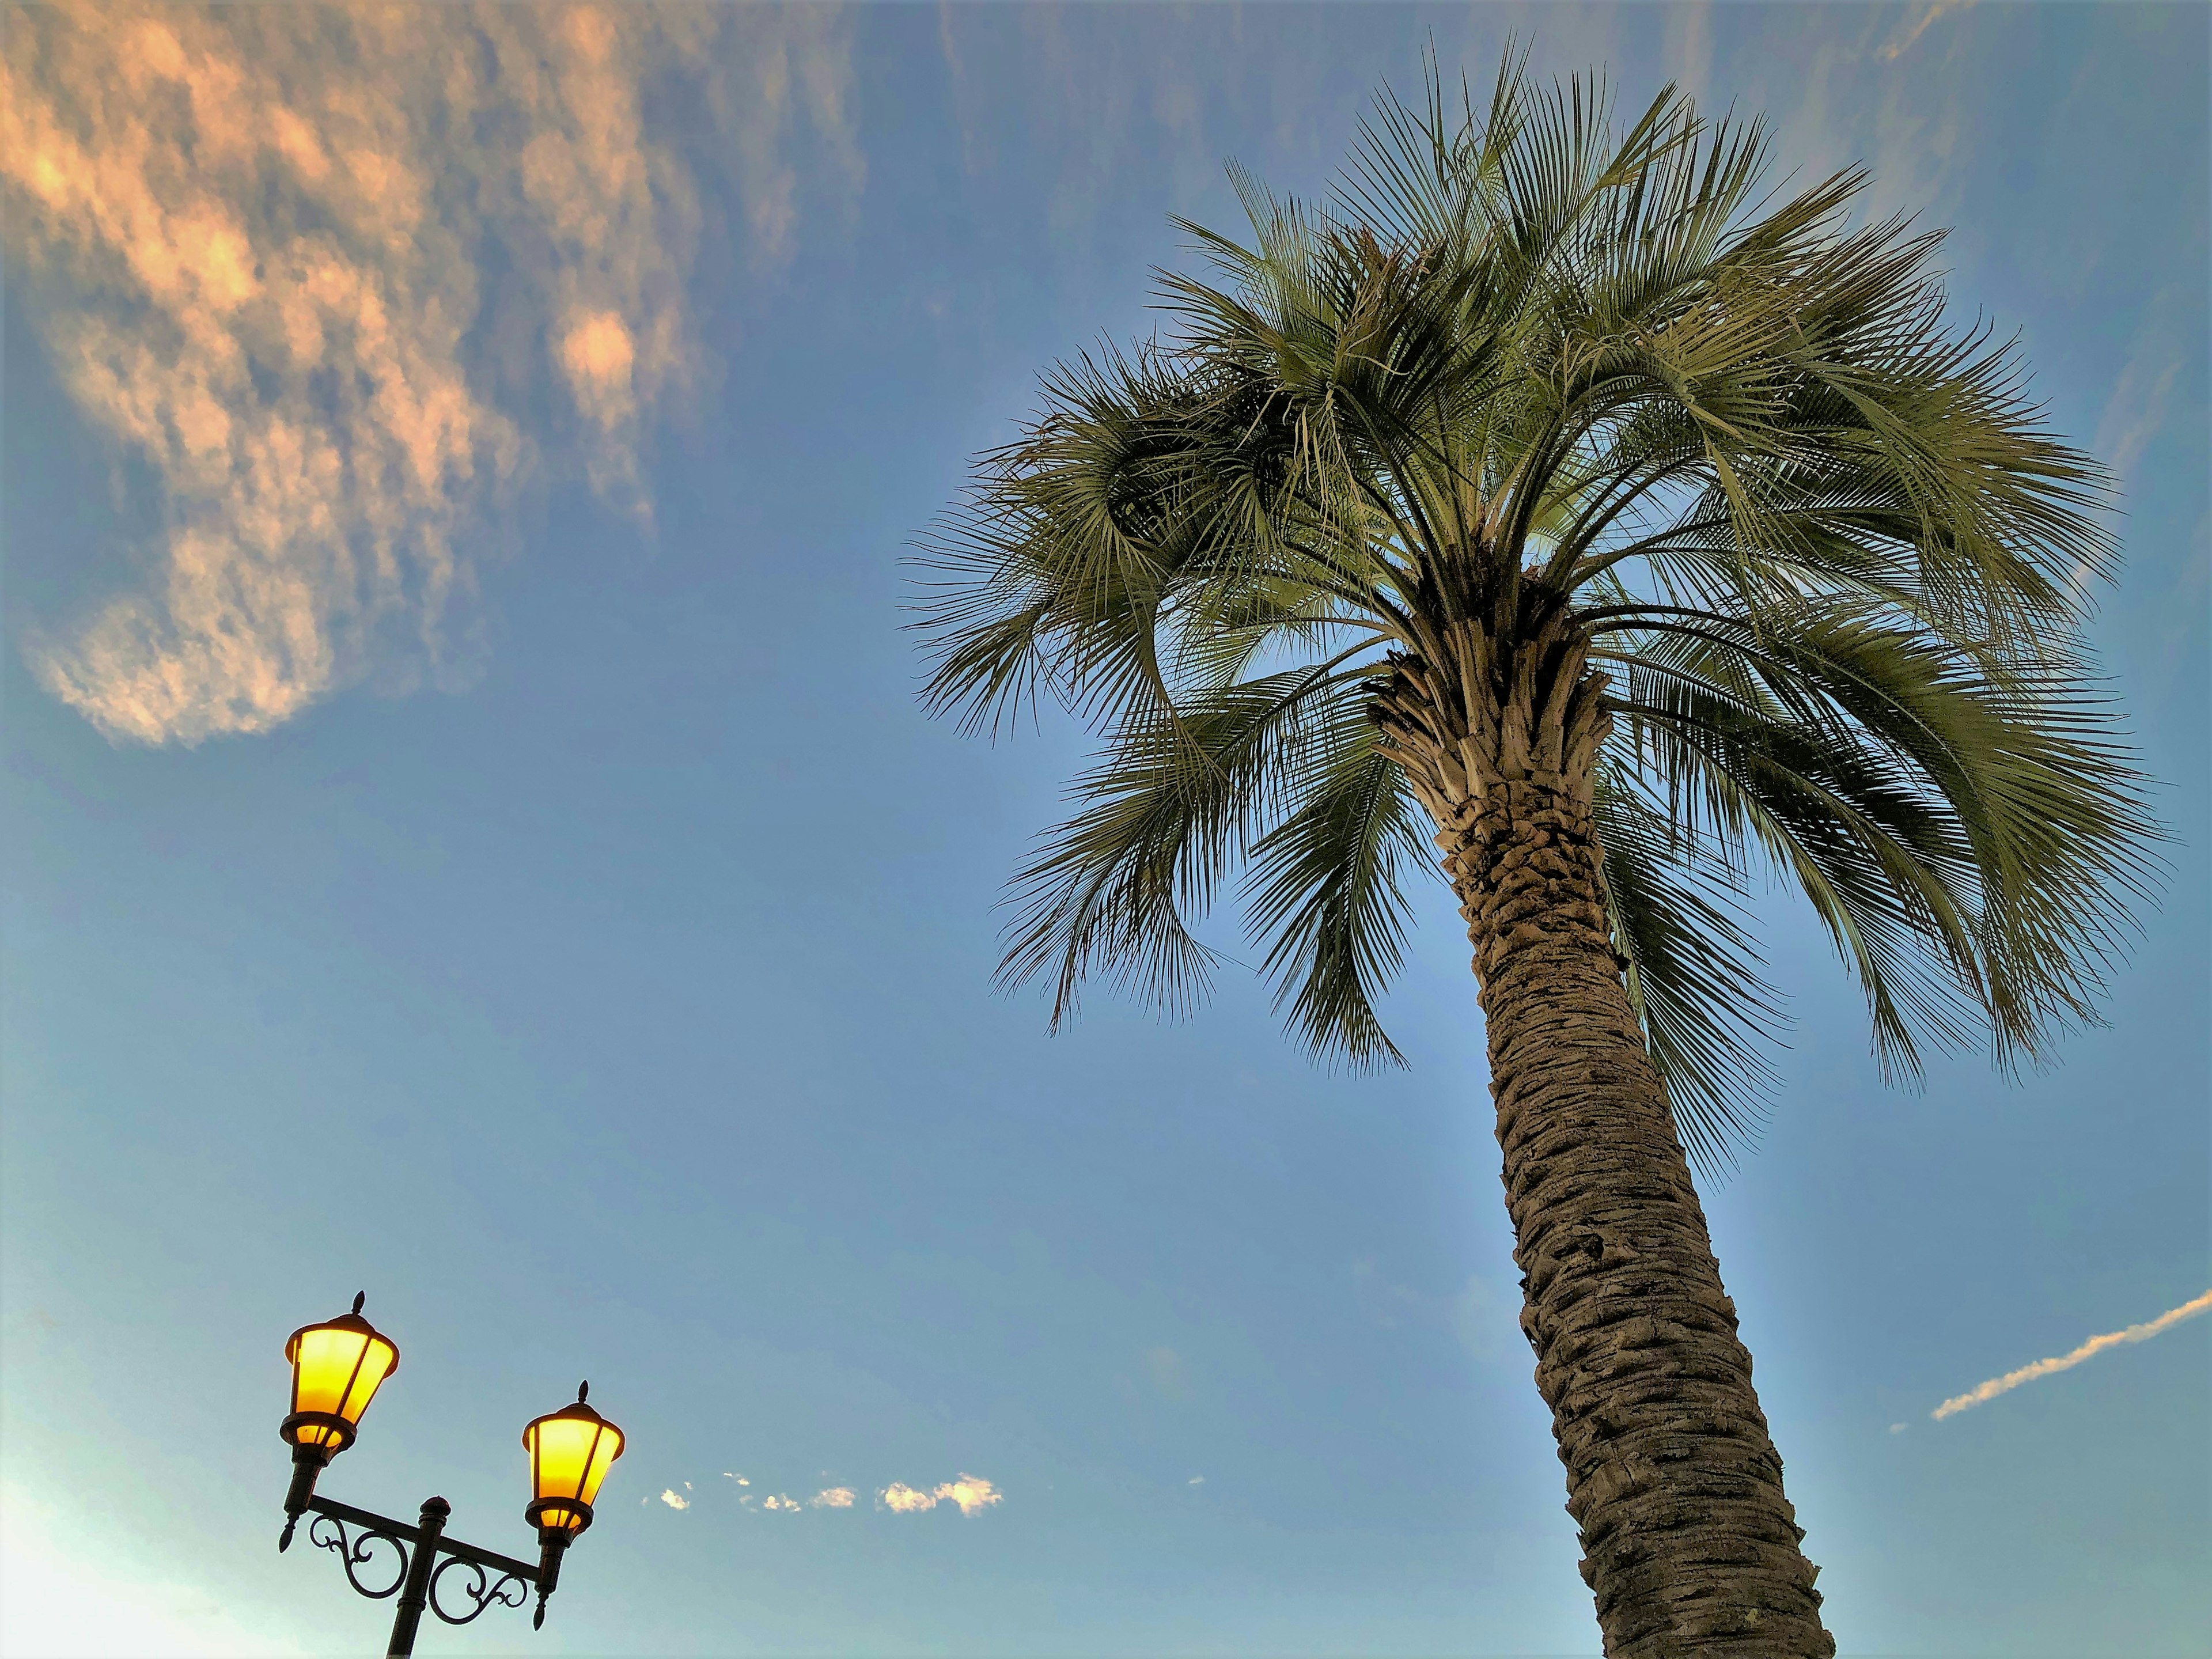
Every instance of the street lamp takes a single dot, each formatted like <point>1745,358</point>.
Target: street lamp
<point>336,1367</point>
<point>570,1452</point>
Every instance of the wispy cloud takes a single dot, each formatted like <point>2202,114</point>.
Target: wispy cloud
<point>1983,1393</point>
<point>1168,1373</point>
<point>2136,411</point>
<point>832,1497</point>
<point>1474,1315</point>
<point>310,265</point>
<point>674,1499</point>
<point>1897,48</point>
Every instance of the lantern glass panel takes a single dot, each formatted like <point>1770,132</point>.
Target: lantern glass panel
<point>336,1372</point>
<point>569,1457</point>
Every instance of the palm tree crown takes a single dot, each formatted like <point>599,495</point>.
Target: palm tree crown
<point>1539,408</point>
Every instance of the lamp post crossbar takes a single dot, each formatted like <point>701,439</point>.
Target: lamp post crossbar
<point>420,1547</point>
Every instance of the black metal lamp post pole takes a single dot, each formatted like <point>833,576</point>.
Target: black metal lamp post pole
<point>414,1594</point>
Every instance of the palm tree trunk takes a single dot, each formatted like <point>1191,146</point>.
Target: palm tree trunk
<point>1688,1542</point>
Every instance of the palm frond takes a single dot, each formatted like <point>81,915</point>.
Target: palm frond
<point>1818,535</point>
<point>1325,887</point>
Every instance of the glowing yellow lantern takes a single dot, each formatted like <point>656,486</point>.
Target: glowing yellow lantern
<point>570,1452</point>
<point>336,1367</point>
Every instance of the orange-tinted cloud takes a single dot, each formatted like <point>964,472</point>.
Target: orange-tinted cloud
<point>902,1499</point>
<point>1990,1390</point>
<point>319,268</point>
<point>832,1497</point>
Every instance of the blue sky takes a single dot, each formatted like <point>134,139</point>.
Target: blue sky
<point>501,866</point>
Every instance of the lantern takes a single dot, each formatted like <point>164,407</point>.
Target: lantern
<point>336,1367</point>
<point>570,1452</point>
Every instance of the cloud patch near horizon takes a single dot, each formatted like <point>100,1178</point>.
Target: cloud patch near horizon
<point>309,267</point>
<point>1983,1392</point>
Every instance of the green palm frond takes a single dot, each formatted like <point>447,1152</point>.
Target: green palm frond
<point>1821,542</point>
<point>1679,907</point>
<point>1325,887</point>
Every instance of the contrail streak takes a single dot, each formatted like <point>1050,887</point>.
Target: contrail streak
<point>2143,1332</point>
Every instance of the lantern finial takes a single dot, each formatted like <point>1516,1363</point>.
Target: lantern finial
<point>359,1297</point>
<point>583,1392</point>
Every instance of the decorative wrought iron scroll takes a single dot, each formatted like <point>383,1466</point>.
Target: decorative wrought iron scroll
<point>352,1553</point>
<point>509,1591</point>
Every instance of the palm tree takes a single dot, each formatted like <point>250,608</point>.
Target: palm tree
<point>1659,540</point>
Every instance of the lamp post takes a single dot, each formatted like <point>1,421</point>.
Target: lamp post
<point>336,1367</point>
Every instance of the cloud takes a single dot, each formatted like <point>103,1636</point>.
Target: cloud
<point>674,1499</point>
<point>2135,412</point>
<point>740,1479</point>
<point>780,1502</point>
<point>1165,1367</point>
<point>1195,1480</point>
<point>1475,1315</point>
<point>1990,1390</point>
<point>340,280</point>
<point>972,1492</point>
<point>1897,49</point>
<point>832,1497</point>
<point>1479,1320</point>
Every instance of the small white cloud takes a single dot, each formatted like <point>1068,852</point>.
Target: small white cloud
<point>1195,1480</point>
<point>687,1486</point>
<point>833,1497</point>
<point>972,1492</point>
<point>740,1479</point>
<point>674,1499</point>
<point>1899,1428</point>
<point>779,1503</point>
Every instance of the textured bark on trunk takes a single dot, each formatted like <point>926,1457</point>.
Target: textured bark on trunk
<point>1689,1545</point>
